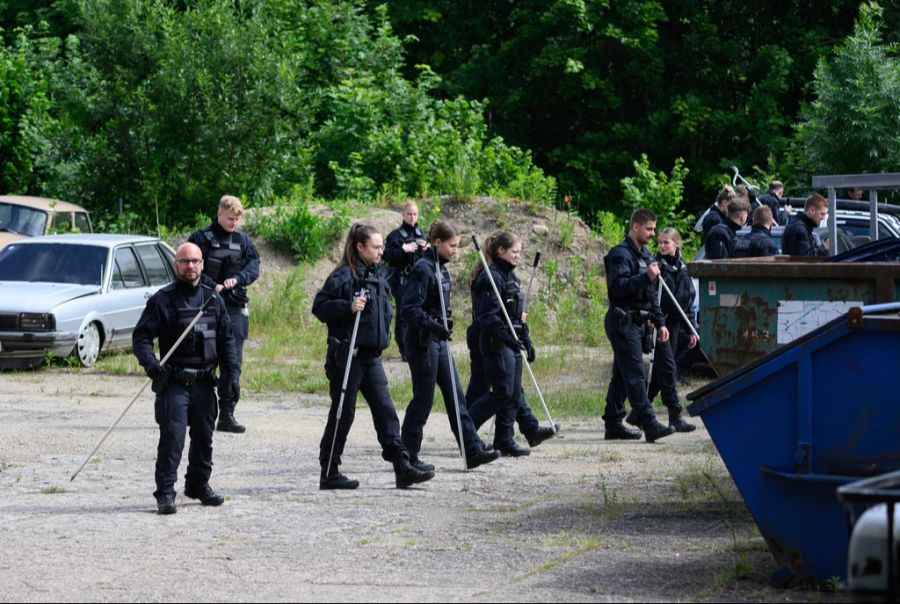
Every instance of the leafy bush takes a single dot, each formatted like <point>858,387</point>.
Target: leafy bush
<point>293,227</point>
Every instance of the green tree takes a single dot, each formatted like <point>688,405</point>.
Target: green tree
<point>852,124</point>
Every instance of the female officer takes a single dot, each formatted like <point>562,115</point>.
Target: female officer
<point>500,351</point>
<point>355,286</point>
<point>674,271</point>
<point>428,351</point>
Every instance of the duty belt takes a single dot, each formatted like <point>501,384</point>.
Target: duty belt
<point>637,315</point>
<point>188,376</point>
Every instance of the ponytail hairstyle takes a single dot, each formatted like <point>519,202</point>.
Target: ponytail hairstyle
<point>358,233</point>
<point>491,248</point>
<point>441,229</point>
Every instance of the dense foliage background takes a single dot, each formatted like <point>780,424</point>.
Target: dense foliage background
<point>146,111</point>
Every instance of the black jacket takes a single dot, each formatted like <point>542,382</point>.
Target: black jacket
<point>627,282</point>
<point>675,273</point>
<point>332,306</point>
<point>714,217</point>
<point>401,262</point>
<point>778,213</point>
<point>244,268</point>
<point>719,242</point>
<point>758,243</point>
<point>799,238</point>
<point>421,307</point>
<point>164,317</point>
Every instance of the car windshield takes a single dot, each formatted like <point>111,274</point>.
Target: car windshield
<point>21,219</point>
<point>53,263</point>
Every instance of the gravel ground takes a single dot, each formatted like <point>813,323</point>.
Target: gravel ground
<point>579,520</point>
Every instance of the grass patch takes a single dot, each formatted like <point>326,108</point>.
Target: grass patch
<point>52,490</point>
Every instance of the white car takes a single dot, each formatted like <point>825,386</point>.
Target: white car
<point>76,294</point>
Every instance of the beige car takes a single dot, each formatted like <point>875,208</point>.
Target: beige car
<point>23,216</point>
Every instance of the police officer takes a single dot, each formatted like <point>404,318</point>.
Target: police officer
<point>501,352</point>
<point>759,242</point>
<point>630,279</point>
<point>402,248</point>
<point>479,384</point>
<point>675,273</point>
<point>357,286</point>
<point>184,386</point>
<point>428,350</point>
<point>719,243</point>
<point>800,238</point>
<point>716,214</point>
<point>231,263</point>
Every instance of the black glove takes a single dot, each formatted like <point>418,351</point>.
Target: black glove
<point>443,333</point>
<point>160,376</point>
<point>528,347</point>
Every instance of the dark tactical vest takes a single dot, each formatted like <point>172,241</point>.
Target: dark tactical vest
<point>224,259</point>
<point>198,349</point>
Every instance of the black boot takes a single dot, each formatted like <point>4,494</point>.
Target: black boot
<point>205,494</point>
<point>679,423</point>
<point>514,450</point>
<point>620,431</point>
<point>407,475</point>
<point>480,456</point>
<point>165,503</point>
<point>653,430</point>
<point>334,480</point>
<point>227,423</point>
<point>421,465</point>
<point>540,435</point>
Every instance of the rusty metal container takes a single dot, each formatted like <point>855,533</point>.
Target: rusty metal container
<point>798,423</point>
<point>750,307</point>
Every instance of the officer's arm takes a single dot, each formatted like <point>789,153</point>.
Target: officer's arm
<point>333,301</point>
<point>487,308</point>
<point>620,280</point>
<point>144,333</point>
<point>715,247</point>
<point>250,271</point>
<point>412,311</point>
<point>393,250</point>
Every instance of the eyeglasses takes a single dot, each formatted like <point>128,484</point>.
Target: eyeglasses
<point>189,260</point>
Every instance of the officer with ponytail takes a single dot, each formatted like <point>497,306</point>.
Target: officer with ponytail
<point>428,350</point>
<point>357,286</point>
<point>501,352</point>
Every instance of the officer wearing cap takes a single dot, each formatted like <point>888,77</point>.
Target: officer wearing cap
<point>231,263</point>
<point>185,385</point>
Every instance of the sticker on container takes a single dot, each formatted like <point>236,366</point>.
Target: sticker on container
<point>712,288</point>
<point>799,317</point>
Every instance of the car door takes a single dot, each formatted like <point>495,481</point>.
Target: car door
<point>128,292</point>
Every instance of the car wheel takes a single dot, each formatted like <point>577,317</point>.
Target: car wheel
<point>88,346</point>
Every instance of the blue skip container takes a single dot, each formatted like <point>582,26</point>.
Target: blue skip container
<point>803,420</point>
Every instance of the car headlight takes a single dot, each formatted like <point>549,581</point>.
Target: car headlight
<point>37,321</point>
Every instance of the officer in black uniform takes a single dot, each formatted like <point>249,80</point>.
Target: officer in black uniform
<point>800,237</point>
<point>501,352</point>
<point>719,243</point>
<point>674,272</point>
<point>184,386</point>
<point>427,345</point>
<point>357,286</point>
<point>630,279</point>
<point>716,214</point>
<point>759,242</point>
<point>231,263</point>
<point>402,248</point>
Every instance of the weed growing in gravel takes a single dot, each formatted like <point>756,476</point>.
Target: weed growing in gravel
<point>52,490</point>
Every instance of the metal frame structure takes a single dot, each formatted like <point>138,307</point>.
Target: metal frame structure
<point>872,182</point>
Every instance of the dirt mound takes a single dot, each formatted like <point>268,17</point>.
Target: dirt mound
<point>563,239</point>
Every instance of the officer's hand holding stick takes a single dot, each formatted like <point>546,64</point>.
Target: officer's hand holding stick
<point>357,307</point>
<point>509,324</point>
<point>689,324</point>
<point>147,382</point>
<point>440,288</point>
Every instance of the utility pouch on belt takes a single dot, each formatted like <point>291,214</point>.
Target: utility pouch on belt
<point>339,350</point>
<point>623,319</point>
<point>647,342</point>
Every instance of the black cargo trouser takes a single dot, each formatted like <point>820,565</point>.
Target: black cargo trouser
<point>176,408</point>
<point>430,367</point>
<point>240,327</point>
<point>662,379</point>
<point>503,366</point>
<point>628,371</point>
<point>479,384</point>
<point>366,377</point>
